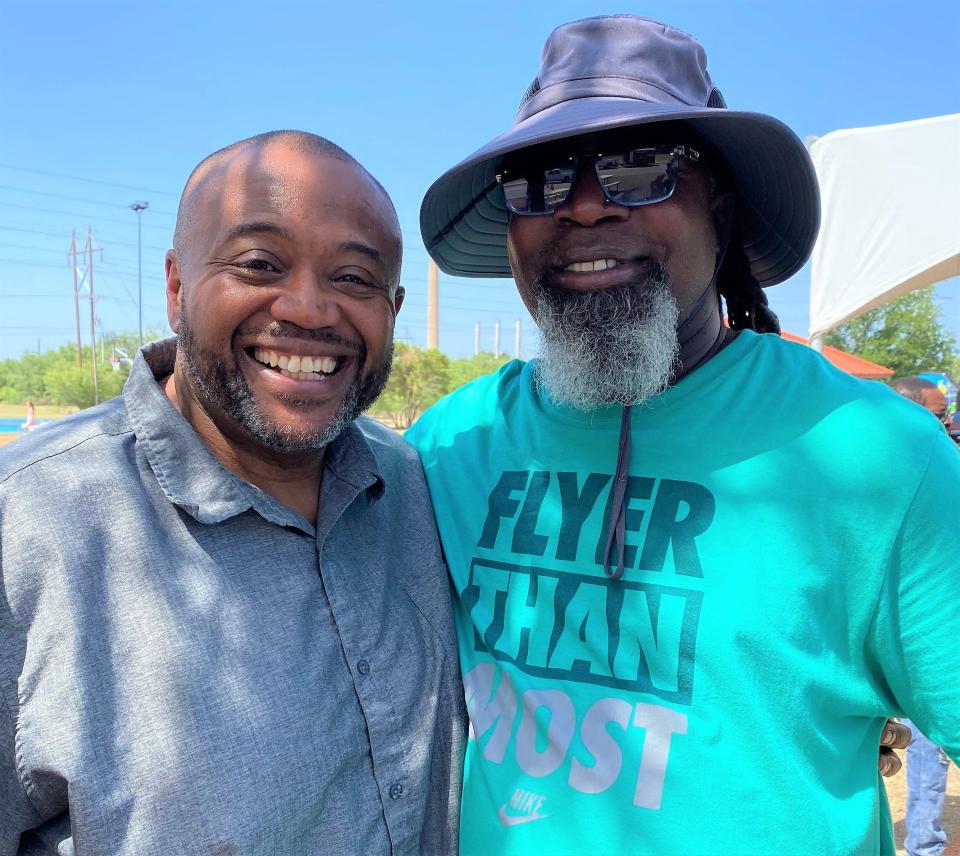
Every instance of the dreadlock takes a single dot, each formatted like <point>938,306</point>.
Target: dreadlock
<point>747,307</point>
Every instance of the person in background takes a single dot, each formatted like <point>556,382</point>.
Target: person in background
<point>925,393</point>
<point>927,764</point>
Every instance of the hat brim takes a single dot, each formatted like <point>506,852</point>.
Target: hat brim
<point>463,218</point>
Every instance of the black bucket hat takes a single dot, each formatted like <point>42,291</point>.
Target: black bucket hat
<point>616,72</point>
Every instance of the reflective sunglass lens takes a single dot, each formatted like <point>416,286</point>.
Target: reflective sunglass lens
<point>541,193</point>
<point>516,195</point>
<point>634,177</point>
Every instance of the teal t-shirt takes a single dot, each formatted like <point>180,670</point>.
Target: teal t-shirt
<point>791,580</point>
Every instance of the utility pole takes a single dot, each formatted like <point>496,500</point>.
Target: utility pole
<point>516,349</point>
<point>76,294</point>
<point>93,329</point>
<point>496,339</point>
<point>140,207</point>
<point>476,338</point>
<point>433,306</point>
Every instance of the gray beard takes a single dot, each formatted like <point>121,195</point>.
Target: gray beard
<point>230,393</point>
<point>616,346</point>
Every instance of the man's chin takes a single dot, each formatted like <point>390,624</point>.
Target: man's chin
<point>297,424</point>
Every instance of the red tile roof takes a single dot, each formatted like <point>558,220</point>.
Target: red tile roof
<point>856,366</point>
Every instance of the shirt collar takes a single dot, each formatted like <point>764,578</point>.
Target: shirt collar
<point>189,474</point>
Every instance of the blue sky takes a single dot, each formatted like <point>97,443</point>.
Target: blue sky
<point>107,103</point>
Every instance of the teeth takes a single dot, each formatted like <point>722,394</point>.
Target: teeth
<point>301,368</point>
<point>590,267</point>
<point>301,375</point>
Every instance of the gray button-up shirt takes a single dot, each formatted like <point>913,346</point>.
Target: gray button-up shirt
<point>189,667</point>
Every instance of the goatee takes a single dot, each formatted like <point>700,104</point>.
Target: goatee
<point>612,346</point>
<point>225,388</point>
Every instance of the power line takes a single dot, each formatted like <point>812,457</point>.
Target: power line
<point>120,269</point>
<point>29,263</point>
<point>60,235</point>
<point>75,216</point>
<point>87,180</point>
<point>32,296</point>
<point>76,199</point>
<point>34,249</point>
<point>21,329</point>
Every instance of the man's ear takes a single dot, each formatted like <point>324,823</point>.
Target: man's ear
<point>174,289</point>
<point>398,296</point>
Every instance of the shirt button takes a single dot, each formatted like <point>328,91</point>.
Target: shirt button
<point>396,791</point>
<point>363,667</point>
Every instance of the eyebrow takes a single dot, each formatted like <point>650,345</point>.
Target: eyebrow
<point>255,227</point>
<point>364,249</point>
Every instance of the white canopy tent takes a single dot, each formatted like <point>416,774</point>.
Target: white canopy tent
<point>891,216</point>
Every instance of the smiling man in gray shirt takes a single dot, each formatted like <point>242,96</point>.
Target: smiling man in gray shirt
<point>224,616</point>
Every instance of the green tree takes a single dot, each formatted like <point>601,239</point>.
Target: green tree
<point>905,335</point>
<point>418,379</point>
<point>466,369</point>
<point>55,378</point>
<point>69,385</point>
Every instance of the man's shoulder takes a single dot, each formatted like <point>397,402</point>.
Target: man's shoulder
<point>477,401</point>
<point>66,442</point>
<point>799,365</point>
<point>386,444</point>
<point>869,413</point>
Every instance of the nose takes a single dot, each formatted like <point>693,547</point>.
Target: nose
<point>308,301</point>
<point>587,205</point>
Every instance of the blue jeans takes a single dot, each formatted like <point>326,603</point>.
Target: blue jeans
<point>926,784</point>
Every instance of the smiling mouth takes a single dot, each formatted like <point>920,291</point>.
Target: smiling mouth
<point>296,366</point>
<point>591,266</point>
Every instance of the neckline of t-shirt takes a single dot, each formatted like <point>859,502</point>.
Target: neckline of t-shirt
<point>693,384</point>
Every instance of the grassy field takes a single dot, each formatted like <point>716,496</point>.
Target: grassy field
<point>44,411</point>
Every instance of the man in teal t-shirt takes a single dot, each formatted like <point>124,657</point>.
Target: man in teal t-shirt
<point>697,567</point>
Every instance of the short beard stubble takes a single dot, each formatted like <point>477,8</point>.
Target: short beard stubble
<point>614,346</point>
<point>226,389</point>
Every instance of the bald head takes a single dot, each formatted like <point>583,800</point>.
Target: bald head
<point>285,246</point>
<point>924,393</point>
<point>208,179</point>
<point>914,388</point>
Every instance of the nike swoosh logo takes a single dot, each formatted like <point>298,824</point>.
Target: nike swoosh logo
<point>515,819</point>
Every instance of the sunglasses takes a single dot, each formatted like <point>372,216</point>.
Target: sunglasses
<point>540,185</point>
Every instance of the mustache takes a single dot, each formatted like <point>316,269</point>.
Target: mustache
<point>287,330</point>
<point>545,285</point>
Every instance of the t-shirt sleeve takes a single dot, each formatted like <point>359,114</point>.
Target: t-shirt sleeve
<point>916,627</point>
<point>416,435</point>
